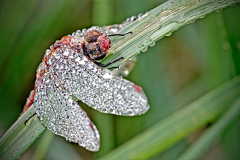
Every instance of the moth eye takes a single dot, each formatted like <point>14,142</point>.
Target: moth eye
<point>104,43</point>
<point>92,36</point>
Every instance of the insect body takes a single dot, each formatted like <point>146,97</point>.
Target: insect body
<point>69,70</point>
<point>96,45</point>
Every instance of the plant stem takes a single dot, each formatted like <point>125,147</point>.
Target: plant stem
<point>161,22</point>
<point>19,137</point>
<point>204,142</point>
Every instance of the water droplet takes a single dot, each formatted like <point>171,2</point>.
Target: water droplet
<point>57,56</point>
<point>144,49</point>
<point>169,34</point>
<point>89,65</point>
<point>66,52</point>
<point>107,74</point>
<point>140,15</point>
<point>84,30</point>
<point>219,10</point>
<point>152,44</point>
<point>48,52</point>
<point>225,45</point>
<point>137,53</point>
<point>133,18</point>
<point>143,16</point>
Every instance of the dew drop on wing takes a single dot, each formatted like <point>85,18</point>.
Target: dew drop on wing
<point>76,133</point>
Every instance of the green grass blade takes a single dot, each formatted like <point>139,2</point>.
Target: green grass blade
<point>160,22</point>
<point>203,143</point>
<point>61,150</point>
<point>43,146</point>
<point>19,137</point>
<point>179,125</point>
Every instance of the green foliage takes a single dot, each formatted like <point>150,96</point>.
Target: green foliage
<point>177,74</point>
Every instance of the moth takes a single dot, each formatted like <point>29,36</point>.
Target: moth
<point>70,71</point>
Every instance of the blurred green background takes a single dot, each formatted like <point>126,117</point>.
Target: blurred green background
<point>176,71</point>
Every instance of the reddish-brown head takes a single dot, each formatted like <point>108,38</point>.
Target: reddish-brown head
<point>104,42</point>
<point>96,45</point>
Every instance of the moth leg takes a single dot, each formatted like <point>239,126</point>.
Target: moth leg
<point>113,68</point>
<point>29,118</point>
<point>119,34</point>
<point>105,65</point>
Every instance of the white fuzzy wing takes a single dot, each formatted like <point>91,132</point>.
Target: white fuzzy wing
<point>97,87</point>
<point>59,113</point>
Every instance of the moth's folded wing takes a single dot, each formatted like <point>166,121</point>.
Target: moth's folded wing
<point>59,113</point>
<point>98,88</point>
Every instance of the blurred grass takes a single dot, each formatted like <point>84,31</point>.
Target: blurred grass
<point>203,143</point>
<point>105,123</point>
<point>180,124</point>
<point>179,69</point>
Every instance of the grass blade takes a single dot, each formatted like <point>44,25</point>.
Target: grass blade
<point>179,125</point>
<point>19,137</point>
<point>158,23</point>
<point>203,143</point>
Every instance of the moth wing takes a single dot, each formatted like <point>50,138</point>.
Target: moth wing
<point>59,113</point>
<point>98,87</point>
